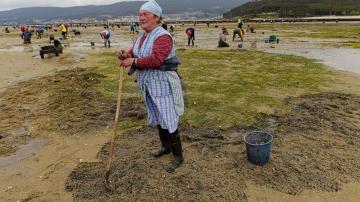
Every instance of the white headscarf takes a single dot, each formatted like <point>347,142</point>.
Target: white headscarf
<point>153,7</point>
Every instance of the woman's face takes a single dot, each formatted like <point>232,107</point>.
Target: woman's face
<point>148,20</point>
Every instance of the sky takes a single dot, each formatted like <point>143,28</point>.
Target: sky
<point>11,4</point>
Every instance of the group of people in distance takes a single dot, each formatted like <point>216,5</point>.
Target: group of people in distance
<point>26,33</point>
<point>237,32</point>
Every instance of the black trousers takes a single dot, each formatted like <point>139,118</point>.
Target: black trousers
<point>191,39</point>
<point>64,35</point>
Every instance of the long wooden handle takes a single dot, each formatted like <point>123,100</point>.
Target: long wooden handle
<point>111,152</point>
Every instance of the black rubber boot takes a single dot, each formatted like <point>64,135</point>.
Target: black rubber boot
<point>175,145</point>
<point>165,147</point>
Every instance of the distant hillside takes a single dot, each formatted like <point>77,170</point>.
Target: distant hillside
<point>296,8</point>
<point>27,15</point>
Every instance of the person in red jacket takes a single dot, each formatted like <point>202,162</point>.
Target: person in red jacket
<point>22,28</point>
<point>191,36</point>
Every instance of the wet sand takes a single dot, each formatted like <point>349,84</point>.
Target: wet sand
<point>348,193</point>
<point>40,175</point>
<point>24,151</point>
<point>18,66</point>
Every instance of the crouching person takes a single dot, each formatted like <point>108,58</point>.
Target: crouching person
<point>222,41</point>
<point>55,49</point>
<point>58,47</point>
<point>154,57</point>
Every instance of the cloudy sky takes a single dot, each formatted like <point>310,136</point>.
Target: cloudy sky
<point>11,4</point>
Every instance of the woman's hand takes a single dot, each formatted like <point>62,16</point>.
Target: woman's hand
<point>127,62</point>
<point>123,55</point>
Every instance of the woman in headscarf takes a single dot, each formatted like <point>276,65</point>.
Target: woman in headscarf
<point>154,57</point>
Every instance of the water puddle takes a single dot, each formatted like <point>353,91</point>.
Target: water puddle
<point>13,49</point>
<point>80,57</point>
<point>18,132</point>
<point>347,59</point>
<point>99,45</point>
<point>18,49</point>
<point>81,46</point>
<point>37,57</point>
<point>24,151</point>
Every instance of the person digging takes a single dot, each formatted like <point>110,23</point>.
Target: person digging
<point>55,49</point>
<point>238,32</point>
<point>190,32</point>
<point>63,31</point>
<point>154,57</point>
<point>105,35</point>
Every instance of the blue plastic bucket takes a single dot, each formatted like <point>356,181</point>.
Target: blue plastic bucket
<point>241,46</point>
<point>258,147</point>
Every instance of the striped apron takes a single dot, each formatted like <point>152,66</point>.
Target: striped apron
<point>161,89</point>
